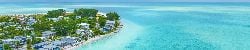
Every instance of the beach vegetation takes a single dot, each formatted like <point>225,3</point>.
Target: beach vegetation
<point>65,25</point>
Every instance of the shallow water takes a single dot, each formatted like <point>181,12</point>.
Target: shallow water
<point>164,26</point>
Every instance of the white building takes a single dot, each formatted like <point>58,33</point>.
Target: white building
<point>109,26</point>
<point>31,21</point>
<point>101,14</point>
<point>78,17</point>
<point>21,39</point>
<point>60,17</point>
<point>53,19</point>
<point>47,34</point>
<point>83,25</point>
<point>8,41</point>
<point>80,31</point>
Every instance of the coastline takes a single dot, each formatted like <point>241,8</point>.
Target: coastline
<point>121,39</point>
<point>78,43</point>
<point>91,40</point>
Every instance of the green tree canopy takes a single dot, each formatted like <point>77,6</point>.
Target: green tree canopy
<point>102,21</point>
<point>63,27</point>
<point>7,47</point>
<point>86,12</point>
<point>112,16</point>
<point>4,18</point>
<point>56,13</point>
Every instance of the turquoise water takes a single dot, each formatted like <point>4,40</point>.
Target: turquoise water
<point>164,26</point>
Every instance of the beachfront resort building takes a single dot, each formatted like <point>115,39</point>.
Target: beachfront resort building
<point>13,42</point>
<point>53,19</point>
<point>22,40</point>
<point>48,34</point>
<point>108,26</point>
<point>84,30</point>
<point>8,41</point>
<point>21,19</point>
<point>31,21</point>
<point>83,25</point>
<point>57,44</point>
<point>78,17</point>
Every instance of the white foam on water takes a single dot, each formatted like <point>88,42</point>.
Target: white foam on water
<point>26,10</point>
<point>98,6</point>
<point>118,41</point>
<point>211,9</point>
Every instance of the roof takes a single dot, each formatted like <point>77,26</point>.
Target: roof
<point>60,16</point>
<point>9,40</point>
<point>69,40</point>
<point>82,24</point>
<point>57,42</point>
<point>54,19</point>
<point>20,15</point>
<point>50,46</point>
<point>19,38</point>
<point>41,37</point>
<point>110,22</point>
<point>42,43</point>
<point>47,32</point>
<point>79,31</point>
<point>101,13</point>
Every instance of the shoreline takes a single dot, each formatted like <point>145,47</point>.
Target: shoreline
<point>80,43</point>
<point>91,40</point>
<point>27,14</point>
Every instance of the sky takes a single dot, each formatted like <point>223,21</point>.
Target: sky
<point>124,0</point>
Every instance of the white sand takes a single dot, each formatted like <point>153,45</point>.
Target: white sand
<point>79,44</point>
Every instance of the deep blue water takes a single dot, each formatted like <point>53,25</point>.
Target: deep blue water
<point>163,26</point>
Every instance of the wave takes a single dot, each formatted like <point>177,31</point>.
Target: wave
<point>212,9</point>
<point>98,6</point>
<point>25,10</point>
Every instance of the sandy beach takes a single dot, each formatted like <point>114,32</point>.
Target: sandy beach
<point>91,40</point>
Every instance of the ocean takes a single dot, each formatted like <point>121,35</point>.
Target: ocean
<point>163,25</point>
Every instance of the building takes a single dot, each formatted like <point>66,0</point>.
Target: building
<point>21,39</point>
<point>83,25</point>
<point>8,41</point>
<point>21,19</point>
<point>84,30</point>
<point>110,22</point>
<point>60,17</point>
<point>68,40</point>
<point>53,19</point>
<point>18,27</point>
<point>40,45</point>
<point>55,45</point>
<point>3,23</point>
<point>108,26</point>
<point>80,31</point>
<point>28,28</point>
<point>78,17</point>
<point>31,21</point>
<point>48,34</point>
<point>101,14</point>
<point>50,47</point>
<point>58,43</point>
